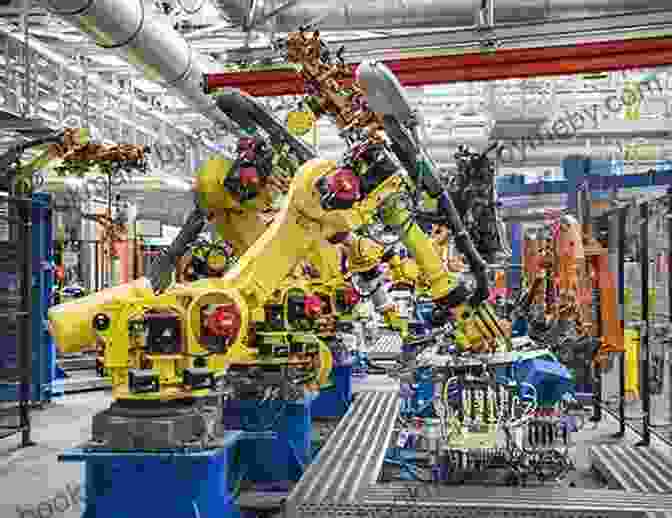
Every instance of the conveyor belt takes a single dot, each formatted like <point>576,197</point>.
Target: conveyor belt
<point>544,502</point>
<point>375,383</point>
<point>632,468</point>
<point>387,347</point>
<point>352,458</point>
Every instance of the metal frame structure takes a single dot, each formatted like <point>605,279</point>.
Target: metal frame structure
<point>16,381</point>
<point>645,350</point>
<point>49,88</point>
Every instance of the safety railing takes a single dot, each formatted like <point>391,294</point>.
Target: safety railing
<point>637,388</point>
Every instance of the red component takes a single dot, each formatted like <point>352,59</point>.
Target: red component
<point>502,64</point>
<point>344,183</point>
<point>224,321</point>
<point>249,176</point>
<point>245,143</point>
<point>247,148</point>
<point>312,306</point>
<point>351,296</point>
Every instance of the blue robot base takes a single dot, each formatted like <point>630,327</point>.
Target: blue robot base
<point>334,401</point>
<point>275,447</point>
<point>170,484</point>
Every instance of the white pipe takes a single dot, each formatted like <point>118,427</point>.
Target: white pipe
<point>69,187</point>
<point>147,42</point>
<point>399,14</point>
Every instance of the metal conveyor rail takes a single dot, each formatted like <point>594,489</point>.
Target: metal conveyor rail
<point>352,458</point>
<point>634,469</point>
<point>387,347</point>
<point>544,502</point>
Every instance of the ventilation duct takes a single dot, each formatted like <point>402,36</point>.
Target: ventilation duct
<point>67,188</point>
<point>401,14</point>
<point>145,41</point>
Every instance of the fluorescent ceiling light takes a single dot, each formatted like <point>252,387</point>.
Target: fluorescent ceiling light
<point>59,34</point>
<point>177,183</point>
<point>440,90</point>
<point>109,60</point>
<point>149,87</point>
<point>349,35</point>
<point>209,10</point>
<point>50,106</point>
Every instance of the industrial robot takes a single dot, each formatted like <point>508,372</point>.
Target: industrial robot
<point>168,352</point>
<point>175,352</point>
<point>565,269</point>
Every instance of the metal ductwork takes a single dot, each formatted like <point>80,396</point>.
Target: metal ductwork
<point>400,14</point>
<point>69,187</point>
<point>145,41</point>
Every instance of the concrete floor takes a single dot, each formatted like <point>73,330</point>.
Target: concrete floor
<point>33,477</point>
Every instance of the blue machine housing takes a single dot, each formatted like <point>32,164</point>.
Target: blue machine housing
<point>424,310</point>
<point>551,379</point>
<point>43,348</point>
<point>417,398</point>
<point>263,460</point>
<point>188,483</point>
<point>334,400</point>
<point>520,328</point>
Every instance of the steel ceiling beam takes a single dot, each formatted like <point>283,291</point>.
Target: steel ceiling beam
<point>531,34</point>
<point>400,14</point>
<point>501,64</point>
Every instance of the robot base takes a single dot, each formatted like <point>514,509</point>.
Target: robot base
<point>276,460</point>
<point>170,483</point>
<point>334,401</point>
<point>146,425</point>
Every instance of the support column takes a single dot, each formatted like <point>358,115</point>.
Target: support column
<point>514,278</point>
<point>621,217</point>
<point>668,308</point>
<point>576,169</point>
<point>645,353</point>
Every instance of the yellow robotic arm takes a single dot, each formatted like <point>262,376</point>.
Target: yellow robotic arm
<point>325,200</point>
<point>241,224</point>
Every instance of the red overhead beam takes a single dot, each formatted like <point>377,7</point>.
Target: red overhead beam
<point>501,64</point>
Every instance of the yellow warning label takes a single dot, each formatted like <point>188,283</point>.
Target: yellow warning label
<point>632,100</point>
<point>640,152</point>
<point>300,123</point>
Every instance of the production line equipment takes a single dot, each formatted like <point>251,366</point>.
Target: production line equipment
<point>571,302</point>
<point>502,419</point>
<point>175,352</point>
